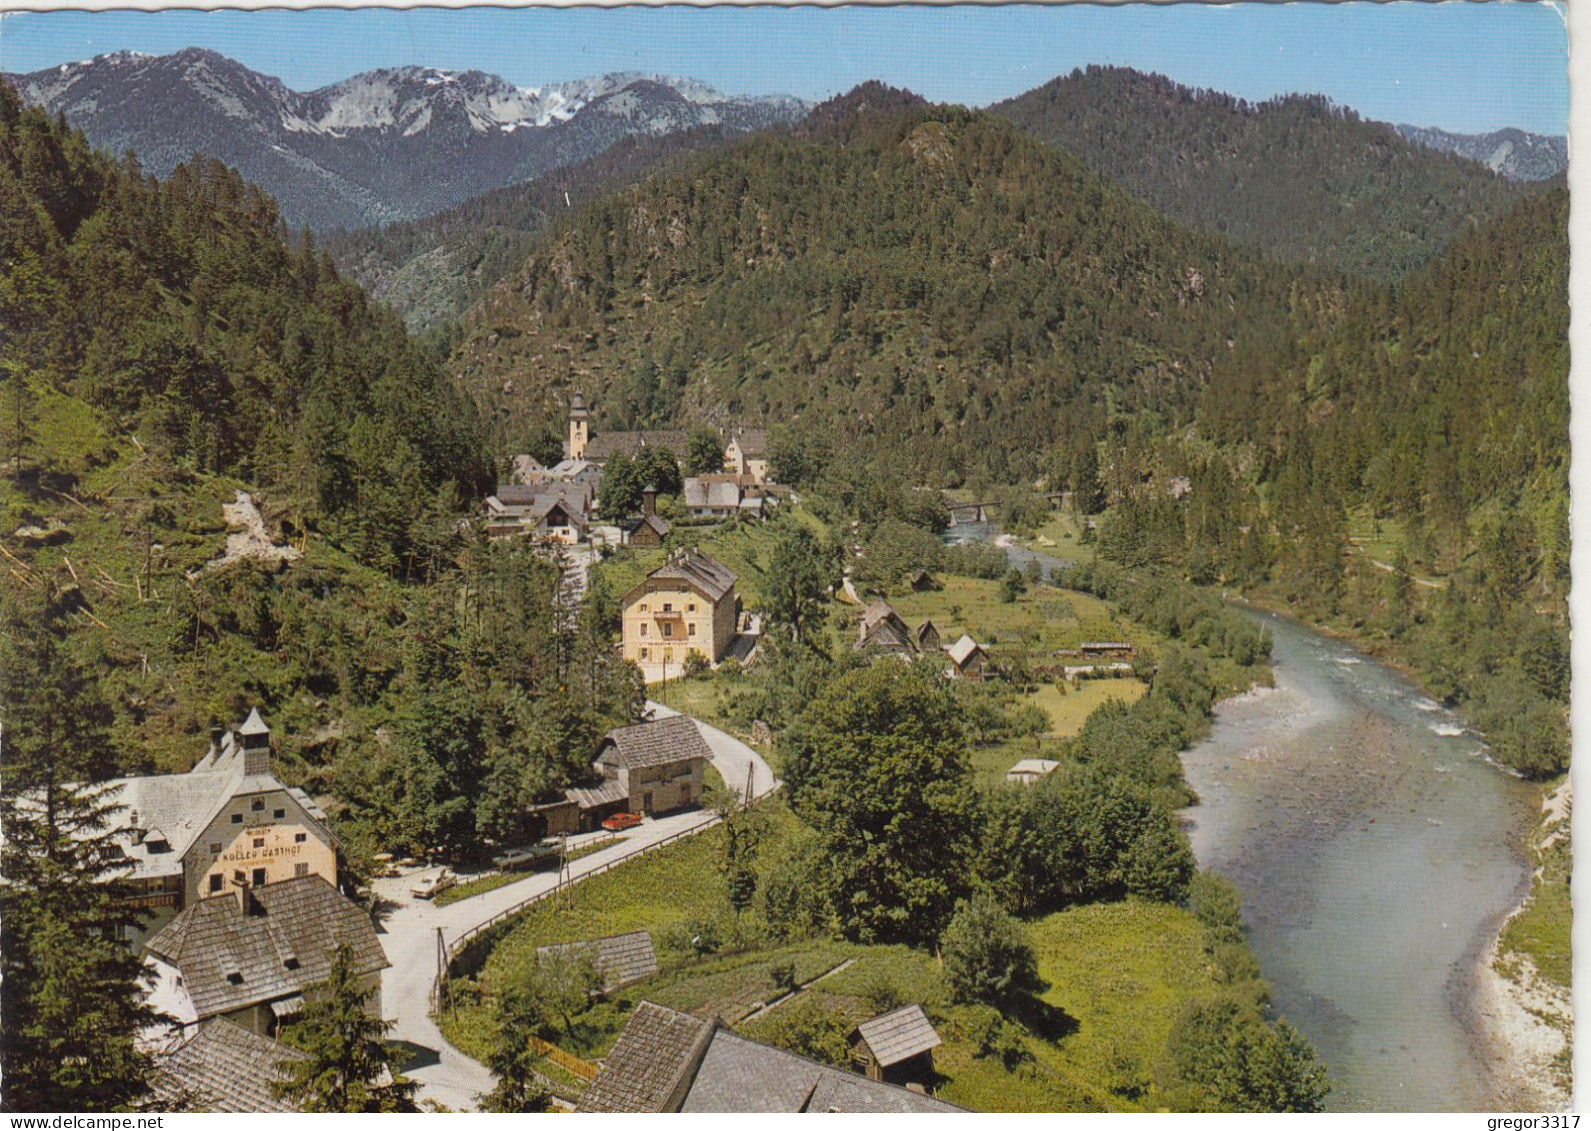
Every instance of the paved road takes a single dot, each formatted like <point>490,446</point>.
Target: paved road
<point>410,926</point>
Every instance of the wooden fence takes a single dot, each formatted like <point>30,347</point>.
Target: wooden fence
<point>570,1063</point>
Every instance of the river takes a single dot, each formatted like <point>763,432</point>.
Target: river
<point>1377,852</point>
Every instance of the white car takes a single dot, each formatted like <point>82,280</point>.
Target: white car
<point>523,857</point>
<point>432,887</point>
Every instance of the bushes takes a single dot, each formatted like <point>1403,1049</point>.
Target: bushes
<point>987,956</point>
<point>1224,1055</point>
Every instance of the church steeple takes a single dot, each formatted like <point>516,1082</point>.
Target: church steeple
<point>579,428</point>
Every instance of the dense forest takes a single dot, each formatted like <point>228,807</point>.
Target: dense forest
<point>1307,180</point>
<point>928,297</point>
<point>169,345</point>
<point>432,270</point>
<point>934,278</point>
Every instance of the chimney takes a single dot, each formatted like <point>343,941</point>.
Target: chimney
<point>248,903</point>
<point>256,738</point>
<point>649,499</point>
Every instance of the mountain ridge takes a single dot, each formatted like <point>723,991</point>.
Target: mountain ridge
<point>1300,176</point>
<point>384,145</point>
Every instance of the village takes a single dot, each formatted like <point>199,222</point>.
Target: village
<point>246,893</point>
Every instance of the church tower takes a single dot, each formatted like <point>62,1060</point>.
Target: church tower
<point>579,428</point>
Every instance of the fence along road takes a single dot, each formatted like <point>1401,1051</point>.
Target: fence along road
<point>409,935</point>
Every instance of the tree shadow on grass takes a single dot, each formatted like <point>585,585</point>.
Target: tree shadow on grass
<point>1042,1019</point>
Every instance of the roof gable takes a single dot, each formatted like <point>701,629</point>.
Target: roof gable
<point>621,960</point>
<point>899,1034</point>
<point>651,1064</point>
<point>711,577</point>
<point>229,960</point>
<point>656,743</point>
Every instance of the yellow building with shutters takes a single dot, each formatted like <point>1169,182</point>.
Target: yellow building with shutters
<point>687,604</point>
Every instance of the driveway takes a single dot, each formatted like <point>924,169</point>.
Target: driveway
<point>410,927</point>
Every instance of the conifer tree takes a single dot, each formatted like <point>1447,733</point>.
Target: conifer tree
<point>70,996</point>
<point>349,1064</point>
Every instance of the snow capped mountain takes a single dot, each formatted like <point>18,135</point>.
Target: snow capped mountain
<point>394,143</point>
<point>1517,155</point>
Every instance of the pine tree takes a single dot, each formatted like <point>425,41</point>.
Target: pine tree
<point>348,1065</point>
<point>71,999</point>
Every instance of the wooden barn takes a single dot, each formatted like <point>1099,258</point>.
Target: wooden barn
<point>897,1047</point>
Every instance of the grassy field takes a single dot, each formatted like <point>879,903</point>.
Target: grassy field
<point>1062,536</point>
<point>1035,624</point>
<point>1115,974</point>
<point>1069,709</point>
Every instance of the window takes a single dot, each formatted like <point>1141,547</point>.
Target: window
<point>279,814</point>
<point>259,877</point>
<point>258,805</point>
<point>685,794</point>
<point>215,846</point>
<point>690,608</point>
<point>237,818</point>
<point>643,628</point>
<point>644,606</point>
<point>235,977</point>
<point>215,883</point>
<point>237,877</point>
<point>692,629</point>
<point>300,838</point>
<point>668,606</point>
<point>290,963</point>
<point>300,869</point>
<point>259,842</point>
<point>643,653</point>
<point>668,630</point>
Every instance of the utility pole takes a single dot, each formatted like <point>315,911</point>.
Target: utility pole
<point>443,989</point>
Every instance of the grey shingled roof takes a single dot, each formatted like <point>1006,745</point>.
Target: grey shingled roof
<point>899,1034</point>
<point>223,1068</point>
<point>605,445</point>
<point>302,920</point>
<point>621,960</point>
<point>605,794</point>
<point>659,525</point>
<point>882,629</point>
<point>656,743</point>
<point>711,576</point>
<point>843,1092</point>
<point>652,1062</point>
<point>753,442</point>
<point>670,1061</point>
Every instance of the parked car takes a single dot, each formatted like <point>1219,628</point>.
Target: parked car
<point>433,886</point>
<point>523,857</point>
<point>621,821</point>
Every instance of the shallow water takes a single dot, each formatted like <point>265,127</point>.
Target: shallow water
<point>1377,852</point>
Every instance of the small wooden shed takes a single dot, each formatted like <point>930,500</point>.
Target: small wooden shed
<point>897,1047</point>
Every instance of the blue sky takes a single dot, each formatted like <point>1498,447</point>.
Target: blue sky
<point>1461,66</point>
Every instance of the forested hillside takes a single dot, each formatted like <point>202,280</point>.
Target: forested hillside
<point>1308,181</point>
<point>931,280</point>
<point>166,347</point>
<point>432,270</point>
<point>929,297</point>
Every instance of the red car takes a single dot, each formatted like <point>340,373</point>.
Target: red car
<point>621,821</point>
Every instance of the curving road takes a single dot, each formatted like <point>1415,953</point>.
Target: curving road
<point>410,926</point>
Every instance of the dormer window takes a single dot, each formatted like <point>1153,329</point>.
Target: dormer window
<point>235,977</point>
<point>290,962</point>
